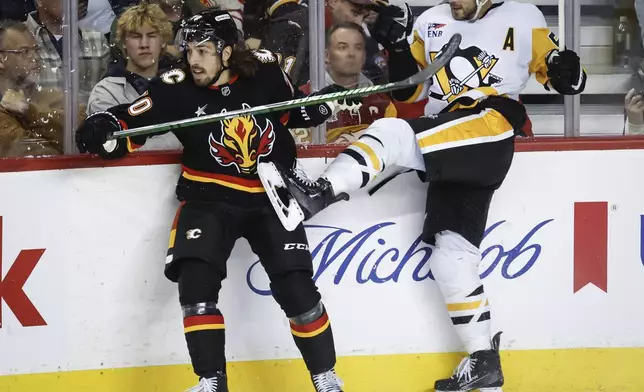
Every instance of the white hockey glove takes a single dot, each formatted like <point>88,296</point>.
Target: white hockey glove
<point>331,108</point>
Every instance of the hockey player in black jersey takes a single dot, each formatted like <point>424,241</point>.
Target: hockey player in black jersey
<point>221,195</point>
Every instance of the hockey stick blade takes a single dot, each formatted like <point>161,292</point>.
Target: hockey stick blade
<point>416,79</point>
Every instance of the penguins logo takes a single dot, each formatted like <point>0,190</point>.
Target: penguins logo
<point>470,68</point>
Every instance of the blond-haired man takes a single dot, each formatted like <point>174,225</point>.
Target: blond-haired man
<point>141,34</point>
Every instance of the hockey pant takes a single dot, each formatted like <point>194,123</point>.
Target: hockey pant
<point>465,156</point>
<point>202,238</point>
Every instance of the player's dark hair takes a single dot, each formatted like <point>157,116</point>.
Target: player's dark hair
<point>344,25</point>
<point>243,62</point>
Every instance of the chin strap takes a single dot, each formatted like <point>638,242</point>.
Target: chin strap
<point>480,4</point>
<point>216,77</point>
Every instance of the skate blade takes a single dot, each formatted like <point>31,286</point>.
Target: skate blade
<point>292,215</point>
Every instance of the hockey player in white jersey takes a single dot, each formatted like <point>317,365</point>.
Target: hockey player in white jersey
<point>463,147</point>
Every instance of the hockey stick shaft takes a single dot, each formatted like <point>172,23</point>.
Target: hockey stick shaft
<point>562,25</point>
<point>465,80</point>
<point>413,80</point>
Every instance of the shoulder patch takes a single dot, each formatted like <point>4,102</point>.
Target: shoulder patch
<point>173,76</point>
<point>265,56</point>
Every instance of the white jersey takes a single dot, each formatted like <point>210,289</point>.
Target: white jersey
<point>497,55</point>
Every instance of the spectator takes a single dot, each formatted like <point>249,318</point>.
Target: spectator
<point>46,25</point>
<point>284,30</point>
<point>345,58</point>
<point>363,13</point>
<point>99,15</point>
<point>175,11</point>
<point>119,6</point>
<point>634,105</point>
<point>339,11</point>
<point>142,32</point>
<point>31,121</point>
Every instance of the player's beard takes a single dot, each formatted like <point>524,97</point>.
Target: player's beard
<point>202,78</point>
<point>465,12</point>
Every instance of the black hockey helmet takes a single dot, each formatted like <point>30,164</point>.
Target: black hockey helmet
<point>208,25</point>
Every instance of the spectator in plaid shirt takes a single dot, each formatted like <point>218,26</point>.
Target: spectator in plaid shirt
<point>46,25</point>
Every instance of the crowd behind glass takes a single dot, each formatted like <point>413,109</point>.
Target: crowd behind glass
<point>124,45</point>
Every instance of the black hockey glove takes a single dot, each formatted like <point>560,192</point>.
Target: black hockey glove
<point>328,109</point>
<point>392,26</point>
<point>565,72</point>
<point>92,136</point>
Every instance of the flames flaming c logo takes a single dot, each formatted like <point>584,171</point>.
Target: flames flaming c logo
<point>242,143</point>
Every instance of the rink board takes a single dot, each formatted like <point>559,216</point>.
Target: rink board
<point>562,267</point>
<point>604,370</point>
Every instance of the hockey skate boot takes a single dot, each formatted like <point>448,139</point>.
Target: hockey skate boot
<point>479,371</point>
<point>327,382</point>
<point>211,384</point>
<point>305,197</point>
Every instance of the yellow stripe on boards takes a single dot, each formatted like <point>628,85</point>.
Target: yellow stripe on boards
<point>574,370</point>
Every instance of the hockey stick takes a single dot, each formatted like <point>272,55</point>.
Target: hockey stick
<point>413,80</point>
<point>467,79</point>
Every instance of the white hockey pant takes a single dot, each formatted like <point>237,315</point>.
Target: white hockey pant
<point>387,142</point>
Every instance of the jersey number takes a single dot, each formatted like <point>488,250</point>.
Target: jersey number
<point>141,106</point>
<point>289,62</point>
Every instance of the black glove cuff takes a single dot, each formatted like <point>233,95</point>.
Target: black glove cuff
<point>100,117</point>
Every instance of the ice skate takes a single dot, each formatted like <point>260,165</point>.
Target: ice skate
<point>212,384</point>
<point>305,197</point>
<point>479,371</point>
<point>327,382</point>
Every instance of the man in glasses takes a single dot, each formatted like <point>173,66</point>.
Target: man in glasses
<point>31,121</point>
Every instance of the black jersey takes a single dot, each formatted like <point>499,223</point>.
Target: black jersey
<point>286,34</point>
<point>220,159</point>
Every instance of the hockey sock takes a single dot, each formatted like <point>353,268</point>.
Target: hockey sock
<point>454,264</point>
<point>199,285</point>
<point>356,166</point>
<point>315,342</point>
<point>205,336</point>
